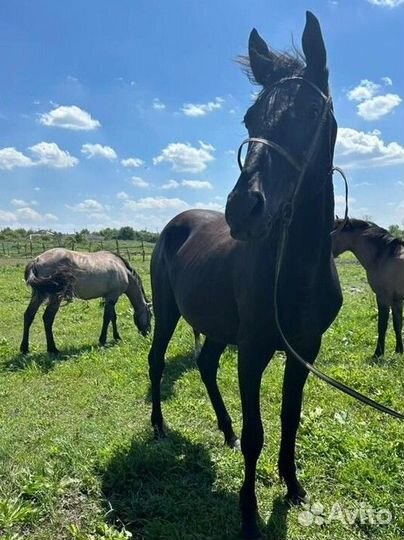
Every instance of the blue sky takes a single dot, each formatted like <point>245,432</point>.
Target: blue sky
<point>128,112</point>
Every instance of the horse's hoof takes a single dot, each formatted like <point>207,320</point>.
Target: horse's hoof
<point>23,350</point>
<point>53,351</point>
<point>297,498</point>
<point>234,444</point>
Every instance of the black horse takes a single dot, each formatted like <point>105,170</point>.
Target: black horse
<point>219,272</point>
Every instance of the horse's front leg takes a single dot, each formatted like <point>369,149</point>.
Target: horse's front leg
<point>397,310</point>
<point>108,314</point>
<point>294,380</point>
<point>252,361</point>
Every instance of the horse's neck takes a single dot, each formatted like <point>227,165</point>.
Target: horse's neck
<point>310,232</point>
<point>134,293</point>
<point>364,250</point>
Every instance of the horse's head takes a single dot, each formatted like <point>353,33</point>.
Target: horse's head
<point>142,318</point>
<point>292,118</point>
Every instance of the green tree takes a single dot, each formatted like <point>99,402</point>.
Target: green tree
<point>126,233</point>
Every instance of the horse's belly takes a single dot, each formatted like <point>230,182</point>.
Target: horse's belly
<point>208,304</point>
<point>90,287</point>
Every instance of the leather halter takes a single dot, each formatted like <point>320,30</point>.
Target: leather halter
<point>287,211</point>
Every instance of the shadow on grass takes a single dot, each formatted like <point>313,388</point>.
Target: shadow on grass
<point>174,369</point>
<point>42,360</point>
<point>165,490</point>
<point>276,527</point>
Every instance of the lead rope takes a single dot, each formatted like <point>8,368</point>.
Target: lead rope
<point>286,221</point>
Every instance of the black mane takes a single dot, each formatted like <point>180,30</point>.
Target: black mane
<point>132,271</point>
<point>386,243</point>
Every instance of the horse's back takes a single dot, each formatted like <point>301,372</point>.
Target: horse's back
<point>97,274</point>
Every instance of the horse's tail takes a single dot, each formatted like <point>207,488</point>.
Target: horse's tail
<point>59,283</point>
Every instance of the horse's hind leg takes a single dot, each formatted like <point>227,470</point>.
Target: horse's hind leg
<point>208,363</point>
<point>115,332</point>
<point>397,309</point>
<point>383,319</point>
<point>48,318</point>
<point>29,315</point>
<point>166,318</point>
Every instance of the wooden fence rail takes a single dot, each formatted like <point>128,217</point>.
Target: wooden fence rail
<point>30,248</point>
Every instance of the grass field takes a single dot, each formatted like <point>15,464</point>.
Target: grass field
<point>77,459</point>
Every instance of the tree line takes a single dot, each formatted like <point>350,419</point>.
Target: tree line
<point>124,233</point>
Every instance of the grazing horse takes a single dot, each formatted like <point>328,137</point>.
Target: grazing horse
<point>60,274</point>
<point>234,279</point>
<point>382,256</point>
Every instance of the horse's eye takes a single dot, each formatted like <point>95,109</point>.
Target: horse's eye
<point>313,112</point>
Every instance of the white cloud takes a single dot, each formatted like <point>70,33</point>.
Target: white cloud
<point>122,196</point>
<point>10,158</point>
<point>7,217</point>
<point>171,184</point>
<point>210,206</point>
<point>365,90</point>
<point>132,163</point>
<point>372,106</point>
<point>186,158</point>
<point>201,109</point>
<point>156,203</point>
<point>45,154</point>
<point>137,181</point>
<point>386,3</point>
<point>158,105</point>
<point>359,149</point>
<point>50,155</point>
<point>19,203</point>
<point>197,184</point>
<point>97,150</point>
<point>88,205</point>
<point>375,108</point>
<point>69,117</point>
<point>26,214</point>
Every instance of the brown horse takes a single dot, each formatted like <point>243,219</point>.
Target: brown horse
<point>60,274</point>
<point>382,256</point>
<point>218,271</point>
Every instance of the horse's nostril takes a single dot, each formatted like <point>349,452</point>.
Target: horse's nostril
<point>257,206</point>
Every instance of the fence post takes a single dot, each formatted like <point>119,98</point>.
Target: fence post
<point>143,251</point>
<point>30,248</point>
<point>117,246</point>
<point>128,253</point>
<point>4,248</point>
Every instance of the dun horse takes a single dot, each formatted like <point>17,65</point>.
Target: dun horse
<point>60,274</point>
<point>382,256</point>
<point>218,271</point>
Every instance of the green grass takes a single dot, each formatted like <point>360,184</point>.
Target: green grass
<point>77,459</point>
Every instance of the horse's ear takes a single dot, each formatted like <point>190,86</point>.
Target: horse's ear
<point>313,45</point>
<point>260,58</point>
